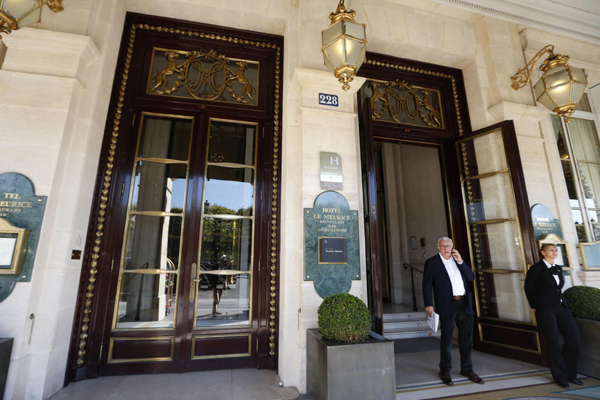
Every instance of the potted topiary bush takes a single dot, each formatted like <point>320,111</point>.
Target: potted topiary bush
<point>584,303</point>
<point>345,360</point>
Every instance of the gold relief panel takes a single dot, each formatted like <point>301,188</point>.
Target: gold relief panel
<point>203,75</point>
<point>403,103</point>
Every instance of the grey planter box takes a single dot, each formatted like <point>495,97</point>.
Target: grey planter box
<point>589,356</point>
<point>345,371</point>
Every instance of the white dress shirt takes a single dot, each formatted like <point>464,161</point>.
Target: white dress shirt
<point>458,288</point>
<point>550,266</point>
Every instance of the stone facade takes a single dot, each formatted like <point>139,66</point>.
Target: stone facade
<point>55,82</point>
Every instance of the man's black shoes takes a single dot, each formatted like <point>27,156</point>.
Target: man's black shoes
<point>473,377</point>
<point>576,381</point>
<point>563,385</point>
<point>446,378</point>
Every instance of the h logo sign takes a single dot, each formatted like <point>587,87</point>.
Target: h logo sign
<point>335,160</point>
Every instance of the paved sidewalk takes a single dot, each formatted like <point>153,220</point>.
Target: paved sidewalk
<point>241,384</point>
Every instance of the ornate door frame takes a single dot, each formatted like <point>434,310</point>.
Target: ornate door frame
<point>88,348</point>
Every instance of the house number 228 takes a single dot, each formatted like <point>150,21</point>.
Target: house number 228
<point>328,99</point>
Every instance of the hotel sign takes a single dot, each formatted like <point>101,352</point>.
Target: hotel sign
<point>331,248</point>
<point>331,171</point>
<point>21,214</point>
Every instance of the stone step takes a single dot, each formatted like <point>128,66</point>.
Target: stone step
<point>404,317</point>
<point>411,334</point>
<point>405,326</point>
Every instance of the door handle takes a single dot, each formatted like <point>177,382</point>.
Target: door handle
<point>193,281</point>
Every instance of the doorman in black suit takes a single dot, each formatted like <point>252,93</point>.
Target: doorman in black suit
<point>543,287</point>
<point>446,276</point>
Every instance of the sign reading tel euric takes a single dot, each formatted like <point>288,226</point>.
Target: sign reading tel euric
<point>331,171</point>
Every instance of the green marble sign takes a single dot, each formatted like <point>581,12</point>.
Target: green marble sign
<point>22,208</point>
<point>331,248</point>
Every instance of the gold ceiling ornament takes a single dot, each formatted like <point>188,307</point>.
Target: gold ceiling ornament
<point>561,86</point>
<point>402,98</point>
<point>17,14</point>
<point>344,45</point>
<point>206,75</point>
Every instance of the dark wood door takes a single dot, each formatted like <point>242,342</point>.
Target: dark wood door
<point>501,241</point>
<point>181,260</point>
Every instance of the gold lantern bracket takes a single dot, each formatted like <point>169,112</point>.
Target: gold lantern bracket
<point>9,23</point>
<point>341,13</point>
<point>560,88</point>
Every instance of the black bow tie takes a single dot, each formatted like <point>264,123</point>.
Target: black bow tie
<point>554,270</point>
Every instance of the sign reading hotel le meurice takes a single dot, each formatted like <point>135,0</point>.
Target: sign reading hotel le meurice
<point>331,171</point>
<point>331,249</point>
<point>544,222</point>
<point>21,213</point>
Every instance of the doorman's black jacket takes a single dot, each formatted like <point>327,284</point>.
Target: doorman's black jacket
<point>541,288</point>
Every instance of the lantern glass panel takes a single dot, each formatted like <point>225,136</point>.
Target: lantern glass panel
<point>547,101</point>
<point>561,94</point>
<point>336,53</point>
<point>556,79</point>
<point>578,89</point>
<point>31,19</point>
<point>355,30</point>
<point>361,59</point>
<point>555,70</point>
<point>539,88</point>
<point>332,33</point>
<point>353,48</point>
<point>578,74</point>
<point>328,64</point>
<point>18,8</point>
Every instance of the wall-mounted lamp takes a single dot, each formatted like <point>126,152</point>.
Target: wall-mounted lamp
<point>560,88</point>
<point>16,14</point>
<point>344,45</point>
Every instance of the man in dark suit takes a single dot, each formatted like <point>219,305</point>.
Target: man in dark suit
<point>446,276</point>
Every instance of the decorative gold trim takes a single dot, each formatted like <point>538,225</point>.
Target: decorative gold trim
<point>18,256</point>
<point>248,354</point>
<point>124,360</point>
<point>486,175</point>
<point>319,251</point>
<point>394,103</point>
<point>432,73</point>
<point>493,221</point>
<point>205,77</point>
<point>536,334</point>
<point>511,321</point>
<point>104,201</point>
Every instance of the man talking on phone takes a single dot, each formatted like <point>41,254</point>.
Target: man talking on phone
<point>446,276</point>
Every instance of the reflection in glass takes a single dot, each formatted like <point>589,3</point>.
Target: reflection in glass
<point>590,182</point>
<point>577,216</point>
<point>159,187</point>
<point>165,137</point>
<point>493,197</point>
<point>484,154</point>
<point>561,143</point>
<point>152,242</point>
<point>229,191</point>
<point>231,142</point>
<point>500,246</point>
<point>146,301</point>
<point>502,296</point>
<point>584,104</point>
<point>223,300</point>
<point>229,240</point>
<point>585,140</point>
<point>570,181</point>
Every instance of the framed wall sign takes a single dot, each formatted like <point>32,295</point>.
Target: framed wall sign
<point>13,246</point>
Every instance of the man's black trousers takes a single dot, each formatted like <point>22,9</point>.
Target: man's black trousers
<point>464,323</point>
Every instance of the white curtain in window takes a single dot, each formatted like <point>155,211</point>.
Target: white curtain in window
<point>585,140</point>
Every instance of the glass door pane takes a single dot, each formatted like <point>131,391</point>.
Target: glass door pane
<point>149,267</point>
<point>494,230</point>
<point>225,271</point>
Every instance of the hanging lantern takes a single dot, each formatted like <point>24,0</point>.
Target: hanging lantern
<point>561,86</point>
<point>344,45</point>
<point>16,14</point>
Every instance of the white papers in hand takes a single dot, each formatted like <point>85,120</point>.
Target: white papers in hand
<point>433,321</point>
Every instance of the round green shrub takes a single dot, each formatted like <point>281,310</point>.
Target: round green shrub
<point>344,318</point>
<point>584,302</point>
